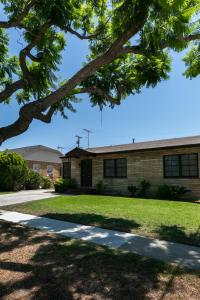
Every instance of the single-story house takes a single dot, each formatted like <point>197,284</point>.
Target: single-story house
<point>42,159</point>
<point>170,161</point>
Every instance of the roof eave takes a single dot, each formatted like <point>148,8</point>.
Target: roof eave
<point>149,149</point>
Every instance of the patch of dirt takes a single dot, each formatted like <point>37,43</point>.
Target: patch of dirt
<point>36,265</point>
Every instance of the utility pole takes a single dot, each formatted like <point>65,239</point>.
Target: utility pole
<point>78,140</point>
<point>88,135</point>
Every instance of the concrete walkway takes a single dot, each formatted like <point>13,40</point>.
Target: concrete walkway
<point>25,196</point>
<point>183,255</point>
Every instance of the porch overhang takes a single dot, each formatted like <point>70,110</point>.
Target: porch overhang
<point>77,153</point>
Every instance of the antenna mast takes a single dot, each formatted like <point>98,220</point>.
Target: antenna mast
<point>78,140</point>
<point>88,135</point>
<point>60,148</point>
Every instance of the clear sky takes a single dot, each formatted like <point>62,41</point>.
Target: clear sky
<point>171,109</point>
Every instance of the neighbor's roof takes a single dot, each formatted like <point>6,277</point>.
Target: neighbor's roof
<point>150,145</point>
<point>36,147</point>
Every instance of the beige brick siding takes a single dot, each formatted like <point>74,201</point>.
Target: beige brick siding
<point>43,168</point>
<point>140,165</point>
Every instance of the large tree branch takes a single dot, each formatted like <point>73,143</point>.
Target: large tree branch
<point>81,36</point>
<point>189,38</point>
<point>22,123</point>
<point>11,89</point>
<point>26,51</point>
<point>84,36</point>
<point>16,22</point>
<point>30,110</point>
<point>46,118</point>
<point>33,58</point>
<point>114,51</point>
<point>132,49</point>
<point>138,49</point>
<point>100,92</point>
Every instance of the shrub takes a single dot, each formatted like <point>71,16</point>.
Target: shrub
<point>62,185</point>
<point>100,187</point>
<point>166,191</point>
<point>71,183</point>
<point>13,171</point>
<point>33,181</point>
<point>132,190</point>
<point>46,182</point>
<point>144,186</point>
<point>59,185</point>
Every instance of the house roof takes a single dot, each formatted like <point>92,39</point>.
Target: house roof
<point>143,146</point>
<point>36,147</point>
<point>77,152</point>
<point>39,153</point>
<point>150,145</point>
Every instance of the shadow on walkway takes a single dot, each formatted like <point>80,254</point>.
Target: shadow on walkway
<point>52,267</point>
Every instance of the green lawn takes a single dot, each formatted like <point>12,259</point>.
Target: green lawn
<point>170,220</point>
<point>3,193</point>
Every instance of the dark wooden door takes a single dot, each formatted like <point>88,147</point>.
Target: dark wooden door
<point>86,173</point>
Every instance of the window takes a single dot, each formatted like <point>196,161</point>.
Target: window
<point>67,169</point>
<point>115,168</point>
<point>36,168</point>
<point>181,165</point>
<point>171,166</point>
<point>50,171</point>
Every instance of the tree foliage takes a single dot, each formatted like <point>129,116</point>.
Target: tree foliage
<point>129,44</point>
<point>13,171</point>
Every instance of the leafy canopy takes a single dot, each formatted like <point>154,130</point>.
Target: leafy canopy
<point>129,44</point>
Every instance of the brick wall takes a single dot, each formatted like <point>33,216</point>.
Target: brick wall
<point>140,165</point>
<point>43,168</point>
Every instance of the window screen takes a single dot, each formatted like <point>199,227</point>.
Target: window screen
<point>115,168</point>
<point>182,165</point>
<point>189,165</point>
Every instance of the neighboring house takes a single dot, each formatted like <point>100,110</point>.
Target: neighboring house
<point>42,159</point>
<point>170,161</point>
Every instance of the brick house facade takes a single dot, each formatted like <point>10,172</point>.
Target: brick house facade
<point>42,159</point>
<point>50,169</point>
<point>173,161</point>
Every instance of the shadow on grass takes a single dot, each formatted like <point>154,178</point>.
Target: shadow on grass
<point>178,234</point>
<point>95,220</point>
<point>60,268</point>
<point>172,233</point>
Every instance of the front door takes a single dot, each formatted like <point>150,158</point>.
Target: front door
<point>86,173</point>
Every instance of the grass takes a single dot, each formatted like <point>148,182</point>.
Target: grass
<point>3,193</point>
<point>39,265</point>
<point>170,220</point>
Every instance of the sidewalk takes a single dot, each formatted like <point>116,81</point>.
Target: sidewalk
<point>184,255</point>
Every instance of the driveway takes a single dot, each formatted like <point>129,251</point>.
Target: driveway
<point>25,196</point>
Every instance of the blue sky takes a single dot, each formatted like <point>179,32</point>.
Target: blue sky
<point>171,109</point>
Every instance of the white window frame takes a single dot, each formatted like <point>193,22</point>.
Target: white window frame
<point>50,174</point>
<point>36,168</point>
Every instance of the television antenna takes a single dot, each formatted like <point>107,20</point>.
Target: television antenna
<point>88,136</point>
<point>61,148</point>
<point>78,140</point>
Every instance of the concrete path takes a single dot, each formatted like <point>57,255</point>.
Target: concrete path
<point>25,196</point>
<point>184,255</point>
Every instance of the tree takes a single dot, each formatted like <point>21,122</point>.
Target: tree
<point>129,43</point>
<point>13,171</point>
